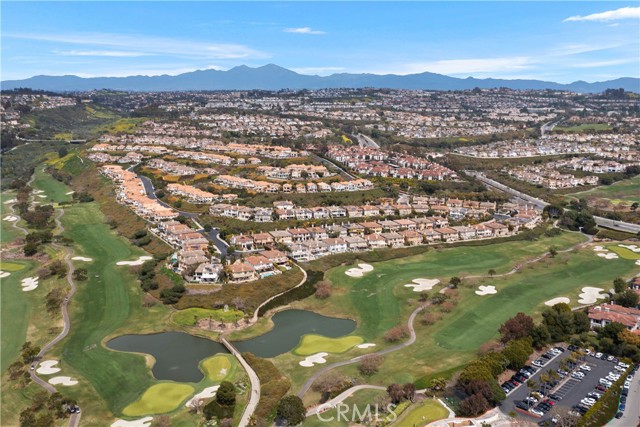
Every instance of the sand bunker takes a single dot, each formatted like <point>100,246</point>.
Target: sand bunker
<point>11,218</point>
<point>319,358</point>
<point>638,262</point>
<point>8,202</point>
<point>81,258</point>
<point>422,284</point>
<point>141,422</point>
<point>558,300</point>
<point>4,274</point>
<point>608,255</point>
<point>38,191</point>
<point>358,272</point>
<point>590,295</point>
<point>139,261</point>
<point>69,193</point>
<point>633,248</point>
<point>207,393</point>
<point>65,381</point>
<point>29,284</point>
<point>48,367</point>
<point>486,290</point>
<point>599,248</point>
<point>41,196</point>
<point>366,345</point>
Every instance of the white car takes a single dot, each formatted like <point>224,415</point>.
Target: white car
<point>627,384</point>
<point>578,375</point>
<point>585,368</point>
<point>624,365</point>
<point>610,358</point>
<point>605,382</point>
<point>537,411</point>
<point>554,351</point>
<point>598,355</point>
<point>620,369</point>
<point>588,400</point>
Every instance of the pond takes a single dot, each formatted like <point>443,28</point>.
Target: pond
<point>178,354</point>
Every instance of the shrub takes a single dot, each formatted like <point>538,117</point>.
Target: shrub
<point>396,333</point>
<point>370,364</point>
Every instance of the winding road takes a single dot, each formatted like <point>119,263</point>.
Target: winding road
<point>254,398</point>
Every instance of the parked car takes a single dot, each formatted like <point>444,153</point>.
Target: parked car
<point>586,368</point>
<point>619,414</point>
<point>599,355</point>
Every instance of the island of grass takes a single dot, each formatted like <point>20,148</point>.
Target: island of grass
<point>312,344</point>
<point>159,399</point>
<point>219,367</point>
<point>423,413</point>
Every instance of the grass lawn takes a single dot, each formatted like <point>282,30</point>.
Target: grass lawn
<point>312,344</point>
<point>219,367</point>
<point>584,127</point>
<point>55,191</point>
<point>422,414</point>
<point>623,252</point>
<point>16,311</point>
<point>189,316</point>
<point>7,232</point>
<point>359,400</point>
<point>627,190</point>
<point>11,266</point>
<point>159,399</point>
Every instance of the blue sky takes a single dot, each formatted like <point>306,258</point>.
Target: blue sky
<point>559,41</point>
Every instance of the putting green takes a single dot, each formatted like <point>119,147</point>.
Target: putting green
<point>312,344</point>
<point>190,316</point>
<point>159,399</point>
<point>624,252</point>
<point>422,414</point>
<point>10,266</point>
<point>218,367</point>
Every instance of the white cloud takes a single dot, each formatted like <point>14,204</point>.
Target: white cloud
<point>610,63</point>
<point>318,70</point>
<point>469,66</point>
<point>160,70</point>
<point>148,45</point>
<point>111,53</point>
<point>610,15</point>
<point>578,48</point>
<point>303,30</point>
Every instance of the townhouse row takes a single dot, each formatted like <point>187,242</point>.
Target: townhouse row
<point>310,187</point>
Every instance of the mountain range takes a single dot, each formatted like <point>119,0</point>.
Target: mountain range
<point>274,77</point>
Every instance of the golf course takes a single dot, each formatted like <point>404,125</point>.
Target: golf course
<point>627,190</point>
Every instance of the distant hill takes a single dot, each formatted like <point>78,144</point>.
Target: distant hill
<point>273,77</point>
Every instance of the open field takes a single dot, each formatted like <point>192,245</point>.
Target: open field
<point>159,399</point>
<point>55,191</point>
<point>627,190</point>
<point>423,413</point>
<point>312,344</point>
<point>584,127</point>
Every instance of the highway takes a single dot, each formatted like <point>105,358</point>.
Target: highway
<point>602,222</point>
<point>329,163</point>
<point>364,141</point>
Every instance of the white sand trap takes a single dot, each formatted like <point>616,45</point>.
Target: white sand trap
<point>422,284</point>
<point>11,218</point>
<point>608,255</point>
<point>366,345</point>
<point>29,284</point>
<point>141,422</point>
<point>139,261</point>
<point>81,258</point>
<point>558,300</point>
<point>41,196</point>
<point>38,191</point>
<point>65,381</point>
<point>638,262</point>
<point>69,193</point>
<point>599,248</point>
<point>359,271</point>
<point>4,274</point>
<point>207,393</point>
<point>319,358</point>
<point>633,248</point>
<point>486,290</point>
<point>8,202</point>
<point>590,295</point>
<point>48,367</point>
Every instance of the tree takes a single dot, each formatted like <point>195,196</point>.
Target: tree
<point>63,152</point>
<point>437,384</point>
<point>628,298</point>
<point>517,352</point>
<point>291,409</point>
<point>612,331</point>
<point>30,249</point>
<point>517,327</point>
<point>492,272</point>
<point>553,251</point>
<point>540,335</point>
<point>559,321</point>
<point>474,405</point>
<point>226,394</point>
<point>370,364</point>
<point>323,289</point>
<point>581,322</point>
<point>395,392</point>
<point>80,274</point>
<point>619,285</point>
<point>454,282</point>
<point>409,391</point>
<point>396,333</point>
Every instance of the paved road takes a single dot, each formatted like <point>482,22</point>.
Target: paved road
<point>548,127</point>
<point>602,222</point>
<point>631,417</point>
<point>346,174</point>
<point>254,398</point>
<point>214,236</point>
<point>304,279</point>
<point>410,341</point>
<point>365,141</point>
<point>151,193</point>
<point>341,397</point>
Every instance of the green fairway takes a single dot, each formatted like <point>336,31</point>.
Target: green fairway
<point>422,414</point>
<point>159,399</point>
<point>16,309</point>
<point>54,191</point>
<point>189,316</point>
<point>11,266</point>
<point>624,252</point>
<point>627,190</point>
<point>219,367</point>
<point>109,300</point>
<point>7,232</point>
<point>312,344</point>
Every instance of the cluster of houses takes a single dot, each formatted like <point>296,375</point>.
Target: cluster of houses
<point>191,193</point>
<point>172,167</point>
<point>455,209</point>
<point>548,177</point>
<point>295,171</point>
<point>310,187</point>
<point>130,191</point>
<point>593,166</point>
<point>307,244</point>
<point>376,162</point>
<point>603,314</point>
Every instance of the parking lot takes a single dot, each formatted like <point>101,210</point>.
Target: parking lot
<point>568,392</point>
